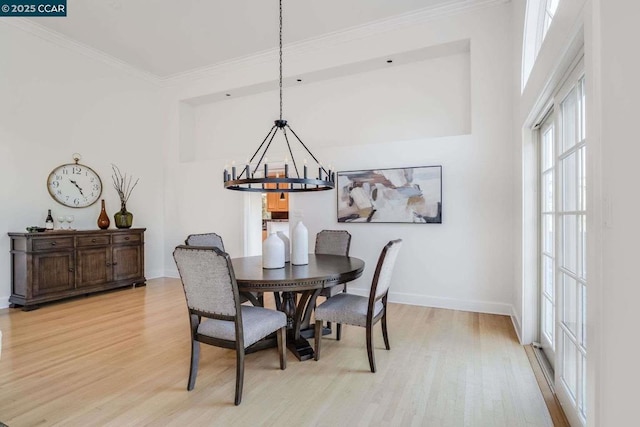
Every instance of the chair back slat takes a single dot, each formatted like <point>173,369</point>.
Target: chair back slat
<point>384,269</point>
<point>205,239</point>
<point>333,242</point>
<point>208,280</point>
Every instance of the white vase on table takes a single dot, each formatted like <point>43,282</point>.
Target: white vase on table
<point>287,245</point>
<point>273,252</point>
<point>300,245</point>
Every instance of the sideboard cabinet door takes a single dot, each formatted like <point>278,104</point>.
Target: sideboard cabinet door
<point>93,267</point>
<point>93,260</point>
<point>128,256</point>
<point>53,273</point>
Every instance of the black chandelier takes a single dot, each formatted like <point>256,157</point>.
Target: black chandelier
<point>256,176</point>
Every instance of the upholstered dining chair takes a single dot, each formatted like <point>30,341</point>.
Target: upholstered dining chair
<point>205,239</point>
<point>362,311</point>
<point>333,242</point>
<point>215,240</point>
<point>212,294</point>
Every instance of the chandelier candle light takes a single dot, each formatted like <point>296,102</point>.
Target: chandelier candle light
<point>255,176</point>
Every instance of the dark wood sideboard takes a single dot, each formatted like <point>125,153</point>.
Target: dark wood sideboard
<point>53,265</point>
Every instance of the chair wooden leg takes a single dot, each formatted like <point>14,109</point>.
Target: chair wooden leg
<point>195,358</point>
<point>239,374</point>
<point>372,360</point>
<point>385,335</point>
<point>282,347</point>
<point>338,331</point>
<point>318,338</point>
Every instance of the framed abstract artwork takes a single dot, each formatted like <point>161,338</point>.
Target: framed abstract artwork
<point>398,195</point>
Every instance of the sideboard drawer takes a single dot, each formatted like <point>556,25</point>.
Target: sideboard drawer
<point>53,243</point>
<point>126,238</point>
<point>93,241</point>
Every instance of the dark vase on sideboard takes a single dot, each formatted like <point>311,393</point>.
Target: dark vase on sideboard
<point>103,219</point>
<point>123,218</point>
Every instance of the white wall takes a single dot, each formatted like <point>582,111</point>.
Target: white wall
<point>609,31</point>
<point>54,102</point>
<point>616,294</point>
<point>466,262</point>
<point>427,98</point>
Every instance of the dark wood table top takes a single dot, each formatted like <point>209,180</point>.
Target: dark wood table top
<point>321,272</point>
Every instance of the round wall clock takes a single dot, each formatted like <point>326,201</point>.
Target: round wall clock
<point>74,185</point>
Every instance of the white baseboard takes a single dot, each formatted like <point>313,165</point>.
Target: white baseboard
<point>172,272</point>
<point>396,297</point>
<point>154,274</point>
<point>516,324</point>
<point>448,303</point>
<point>425,301</point>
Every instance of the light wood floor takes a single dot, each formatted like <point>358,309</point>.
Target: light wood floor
<point>122,359</point>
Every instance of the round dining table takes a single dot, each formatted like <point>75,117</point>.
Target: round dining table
<point>299,286</point>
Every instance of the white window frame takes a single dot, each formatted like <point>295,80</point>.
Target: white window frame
<point>571,405</point>
<point>536,27</point>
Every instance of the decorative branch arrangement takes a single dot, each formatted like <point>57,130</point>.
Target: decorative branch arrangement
<point>122,184</point>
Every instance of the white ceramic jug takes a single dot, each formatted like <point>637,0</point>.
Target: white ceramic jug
<point>300,245</point>
<point>273,252</point>
<point>287,246</point>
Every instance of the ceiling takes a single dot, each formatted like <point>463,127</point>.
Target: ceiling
<point>170,37</point>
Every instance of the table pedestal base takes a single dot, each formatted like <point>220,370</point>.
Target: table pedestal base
<point>295,291</point>
<point>298,313</point>
<point>310,332</point>
<point>301,348</point>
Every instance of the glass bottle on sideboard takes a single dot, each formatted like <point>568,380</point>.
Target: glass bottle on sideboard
<point>48,223</point>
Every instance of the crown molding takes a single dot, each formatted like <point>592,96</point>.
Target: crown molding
<point>370,29</point>
<point>81,48</point>
<point>418,17</point>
